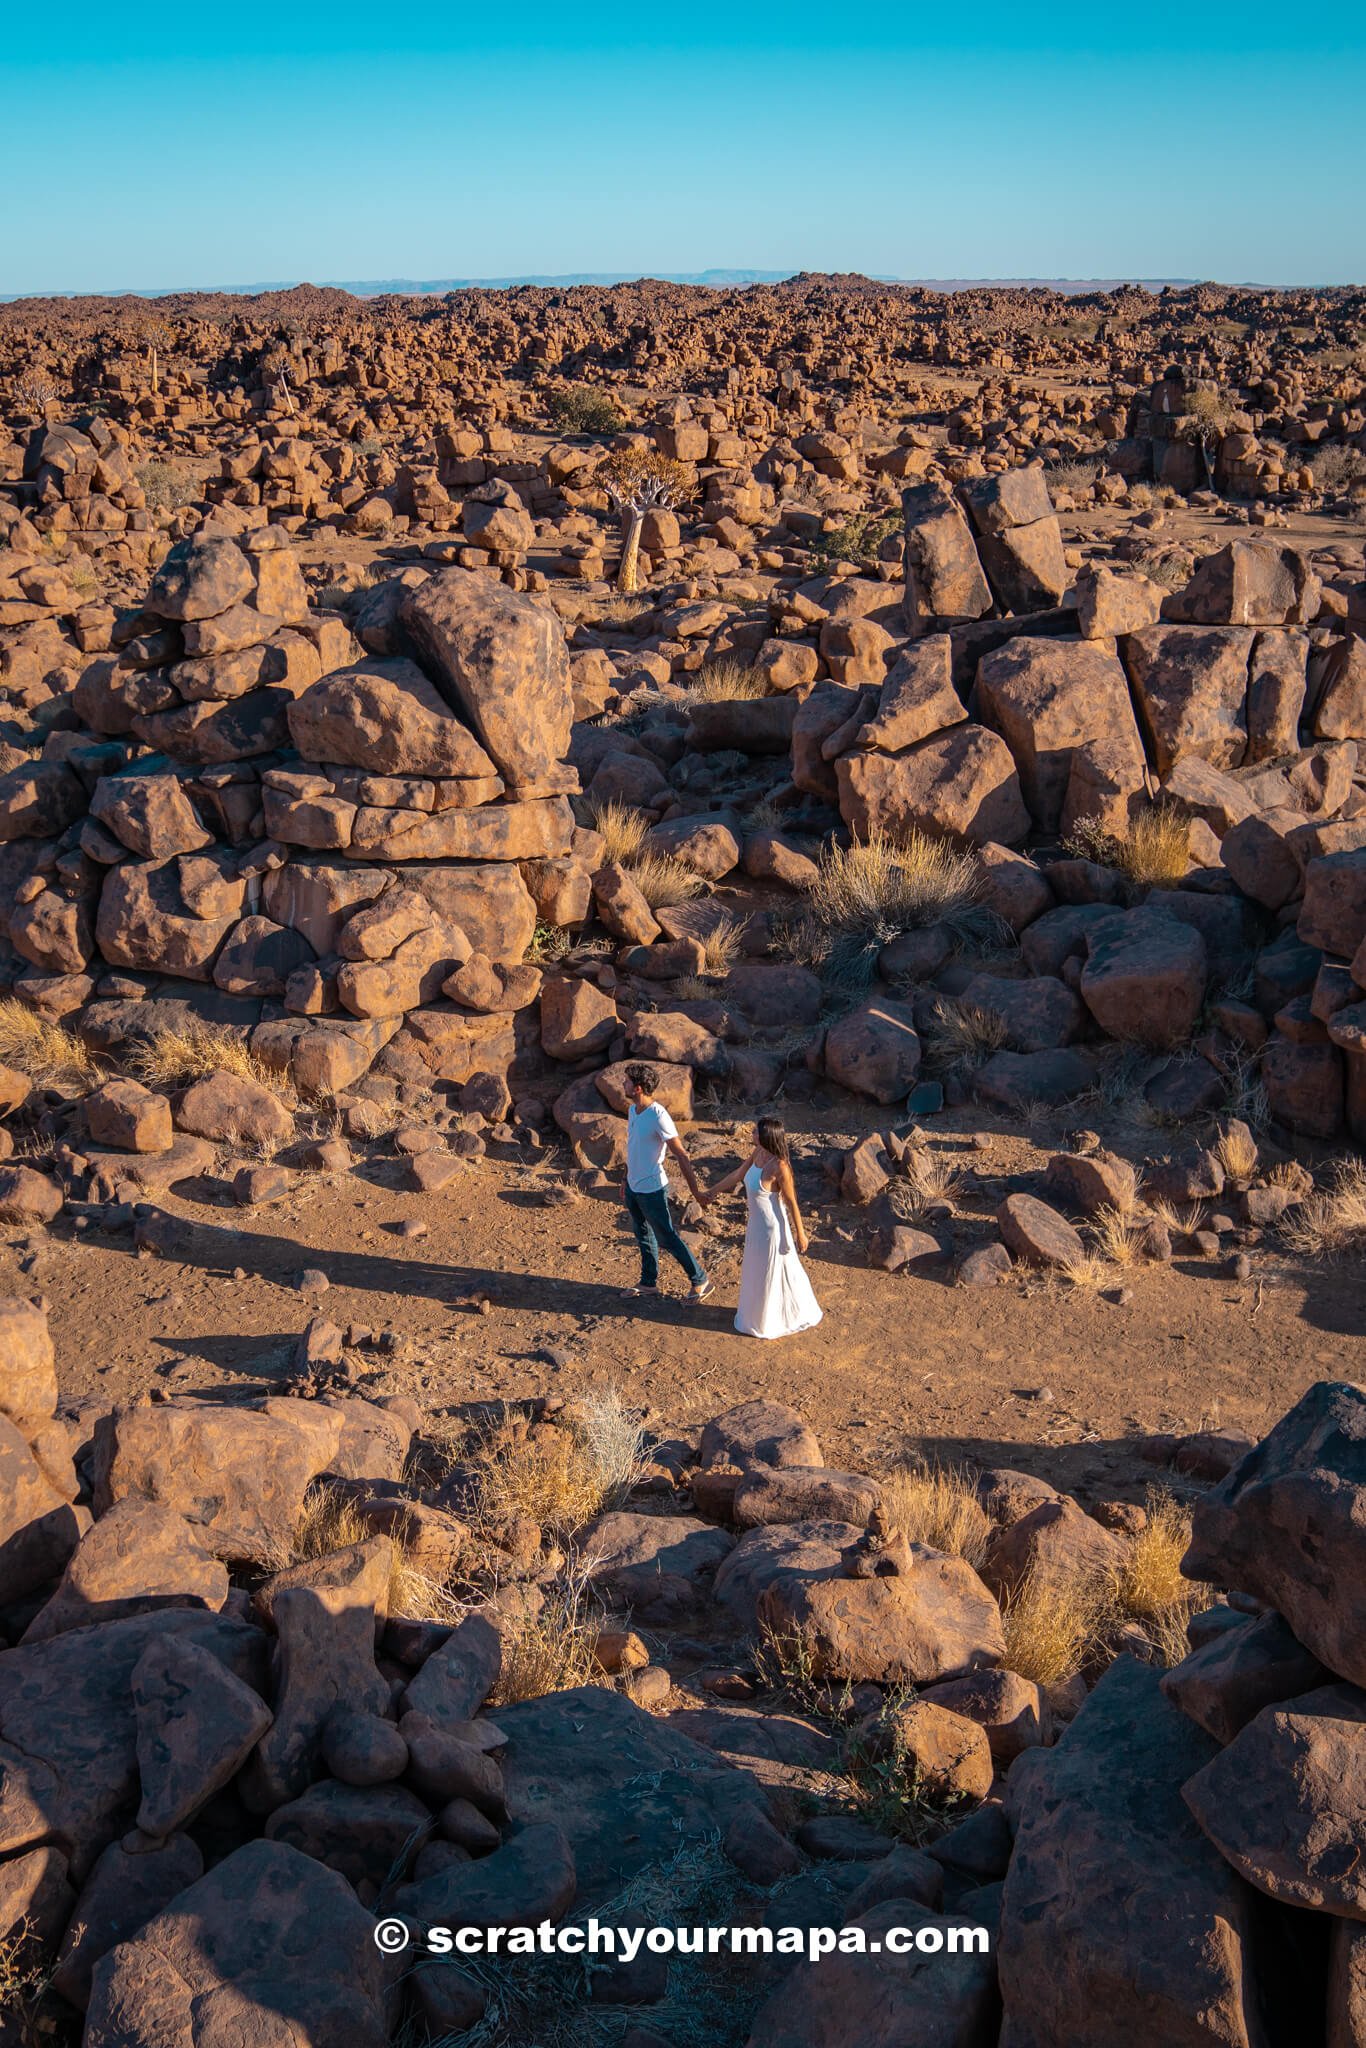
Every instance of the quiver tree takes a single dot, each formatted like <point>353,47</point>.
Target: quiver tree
<point>640,480</point>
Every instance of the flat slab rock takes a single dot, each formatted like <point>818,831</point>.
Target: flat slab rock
<point>776,1749</point>
<point>1117,1910</point>
<point>269,1948</point>
<point>628,1790</point>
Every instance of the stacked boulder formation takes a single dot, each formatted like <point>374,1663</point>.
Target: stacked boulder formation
<point>317,841</point>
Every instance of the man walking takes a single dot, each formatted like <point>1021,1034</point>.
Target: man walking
<point>650,1136</point>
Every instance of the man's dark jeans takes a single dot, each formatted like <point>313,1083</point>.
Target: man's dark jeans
<point>653,1222</point>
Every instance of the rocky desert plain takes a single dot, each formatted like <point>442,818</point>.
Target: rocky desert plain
<point>938,720</point>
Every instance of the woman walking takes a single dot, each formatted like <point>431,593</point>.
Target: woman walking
<point>776,1298</point>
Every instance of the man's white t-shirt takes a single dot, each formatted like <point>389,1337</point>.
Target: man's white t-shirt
<point>648,1132</point>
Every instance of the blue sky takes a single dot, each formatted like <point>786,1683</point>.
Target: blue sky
<point>172,147</point>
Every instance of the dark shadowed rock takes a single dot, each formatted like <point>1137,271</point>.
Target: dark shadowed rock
<point>1105,1854</point>
<point>1227,1681</point>
<point>197,1722</point>
<point>68,1724</point>
<point>1285,1802</point>
<point>269,1948</point>
<point>132,1881</point>
<point>583,1760</point>
<point>1287,1525</point>
<point>880,2000</point>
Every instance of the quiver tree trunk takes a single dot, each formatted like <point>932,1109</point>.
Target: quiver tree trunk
<point>628,574</point>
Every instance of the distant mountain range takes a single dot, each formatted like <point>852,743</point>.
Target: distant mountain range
<point>720,280</point>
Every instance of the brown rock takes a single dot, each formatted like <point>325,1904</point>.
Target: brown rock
<point>385,717</point>
<point>209,1966</point>
<point>28,1369</point>
<point>138,1557</point>
<point>503,660</point>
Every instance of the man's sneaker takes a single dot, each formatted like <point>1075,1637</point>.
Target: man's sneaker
<point>705,1286</point>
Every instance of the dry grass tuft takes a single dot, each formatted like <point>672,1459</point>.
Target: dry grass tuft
<point>623,830</point>
<point>963,1035</point>
<point>658,876</point>
<point>1150,1588</point>
<point>1151,1583</point>
<point>551,1648</point>
<point>725,679</point>
<point>867,894</point>
<point>1119,1236</point>
<point>661,879</point>
<point>1236,1151</point>
<point>1089,1273</point>
<point>937,1504</point>
<point>177,1055</point>
<point>1154,852</point>
<point>927,1180</point>
<point>47,1053</point>
<point>1333,1220</point>
<point>561,1475</point>
<point>720,949</point>
<point>1051,1628</point>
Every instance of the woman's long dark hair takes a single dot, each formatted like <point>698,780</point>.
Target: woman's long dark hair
<point>772,1136</point>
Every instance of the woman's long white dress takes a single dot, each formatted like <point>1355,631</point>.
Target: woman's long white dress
<point>776,1298</point>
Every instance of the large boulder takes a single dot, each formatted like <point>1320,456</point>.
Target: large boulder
<point>69,1729</point>
<point>917,699</point>
<point>961,784</point>
<point>654,1564</point>
<point>1144,978</point>
<point>945,581</point>
<point>1225,1682</point>
<point>582,1760</point>
<point>39,1528</point>
<point>237,1474</point>
<point>1248,583</point>
<point>385,717</point>
<point>502,660</point>
<point>1288,1524</point>
<point>932,1621</point>
<point>1191,684</point>
<point>1115,1904</point>
<point>144,921</point>
<point>1047,698</point>
<point>269,1949</point>
<point>936,1989</point>
<point>875,1050</point>
<point>137,1558</point>
<point>325,1617</point>
<point>1285,1802</point>
<point>28,1368</point>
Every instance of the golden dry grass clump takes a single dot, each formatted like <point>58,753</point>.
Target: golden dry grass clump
<point>550,1646</point>
<point>658,876</point>
<point>879,888</point>
<point>1052,1627</point>
<point>937,1505</point>
<point>1154,852</point>
<point>561,1475</point>
<point>179,1054</point>
<point>725,679</point>
<point>1332,1220</point>
<point>47,1053</point>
